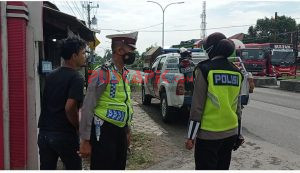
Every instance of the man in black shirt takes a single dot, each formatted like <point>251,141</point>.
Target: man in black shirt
<point>59,120</point>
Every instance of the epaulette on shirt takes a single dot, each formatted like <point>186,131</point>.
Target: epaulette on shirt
<point>106,65</point>
<point>198,67</point>
<point>203,67</point>
<point>203,62</point>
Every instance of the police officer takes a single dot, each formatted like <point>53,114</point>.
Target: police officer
<point>186,58</point>
<point>215,110</point>
<point>107,110</point>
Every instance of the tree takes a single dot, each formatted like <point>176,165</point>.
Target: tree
<point>272,30</point>
<point>252,32</point>
<point>97,62</point>
<point>107,56</point>
<point>101,60</point>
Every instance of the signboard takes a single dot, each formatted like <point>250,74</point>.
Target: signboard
<point>282,46</point>
<point>46,66</point>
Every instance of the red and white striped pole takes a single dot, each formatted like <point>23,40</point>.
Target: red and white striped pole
<point>17,17</point>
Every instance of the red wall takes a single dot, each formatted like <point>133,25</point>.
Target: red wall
<point>16,29</point>
<point>1,102</point>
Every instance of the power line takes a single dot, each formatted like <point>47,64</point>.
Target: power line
<point>96,10</point>
<point>83,11</point>
<point>147,27</point>
<point>230,27</point>
<point>70,7</point>
<point>77,9</point>
<point>179,30</point>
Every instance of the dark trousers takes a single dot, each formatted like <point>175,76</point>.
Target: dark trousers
<point>110,152</point>
<point>58,144</point>
<point>214,154</point>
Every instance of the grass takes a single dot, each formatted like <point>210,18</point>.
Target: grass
<point>140,156</point>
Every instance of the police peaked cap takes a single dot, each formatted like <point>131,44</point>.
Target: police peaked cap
<point>128,39</point>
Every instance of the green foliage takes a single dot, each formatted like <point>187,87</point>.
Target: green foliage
<point>107,55</point>
<point>272,30</point>
<point>101,60</point>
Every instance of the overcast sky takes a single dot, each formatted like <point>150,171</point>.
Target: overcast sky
<point>182,21</point>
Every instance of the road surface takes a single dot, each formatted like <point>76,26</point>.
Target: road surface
<point>271,125</point>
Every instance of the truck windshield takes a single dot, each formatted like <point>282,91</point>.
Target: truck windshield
<point>285,57</point>
<point>252,54</point>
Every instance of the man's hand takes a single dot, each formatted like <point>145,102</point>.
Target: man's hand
<point>251,85</point>
<point>189,144</point>
<point>239,142</point>
<point>85,149</point>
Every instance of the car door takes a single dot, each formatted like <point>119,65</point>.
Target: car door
<point>151,75</point>
<point>157,75</point>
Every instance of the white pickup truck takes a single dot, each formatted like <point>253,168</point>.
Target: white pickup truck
<point>167,81</point>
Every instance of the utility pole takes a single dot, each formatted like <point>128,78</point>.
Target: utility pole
<point>89,14</point>
<point>296,43</point>
<point>89,8</point>
<point>163,9</point>
<point>91,56</point>
<point>275,30</point>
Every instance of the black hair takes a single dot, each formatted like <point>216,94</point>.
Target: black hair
<point>70,46</point>
<point>218,45</point>
<point>224,48</point>
<point>186,54</point>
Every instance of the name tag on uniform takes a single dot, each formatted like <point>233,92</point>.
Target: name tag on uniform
<point>115,115</point>
<point>226,79</point>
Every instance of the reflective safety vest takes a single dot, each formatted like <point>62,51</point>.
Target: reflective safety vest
<point>114,105</point>
<point>222,100</point>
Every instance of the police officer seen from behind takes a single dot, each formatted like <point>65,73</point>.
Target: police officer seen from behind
<point>62,97</point>
<point>107,109</point>
<point>215,111</point>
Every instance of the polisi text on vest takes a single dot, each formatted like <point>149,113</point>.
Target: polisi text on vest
<point>226,79</point>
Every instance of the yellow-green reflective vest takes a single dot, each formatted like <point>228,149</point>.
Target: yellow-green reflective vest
<point>222,100</point>
<point>114,105</point>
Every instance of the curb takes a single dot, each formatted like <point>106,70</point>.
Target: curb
<point>264,81</point>
<point>290,85</point>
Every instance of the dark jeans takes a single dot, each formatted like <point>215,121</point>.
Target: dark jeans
<point>214,154</point>
<point>110,152</point>
<point>58,144</point>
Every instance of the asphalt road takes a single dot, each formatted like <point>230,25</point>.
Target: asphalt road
<point>274,116</point>
<point>270,121</point>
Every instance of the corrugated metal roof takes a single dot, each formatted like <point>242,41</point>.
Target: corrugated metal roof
<point>239,36</point>
<point>152,51</point>
<point>62,21</point>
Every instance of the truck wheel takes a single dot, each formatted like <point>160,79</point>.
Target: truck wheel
<point>165,110</point>
<point>146,99</point>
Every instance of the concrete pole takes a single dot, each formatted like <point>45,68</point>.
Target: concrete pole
<point>5,87</point>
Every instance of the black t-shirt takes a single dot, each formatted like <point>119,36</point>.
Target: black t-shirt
<point>61,84</point>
